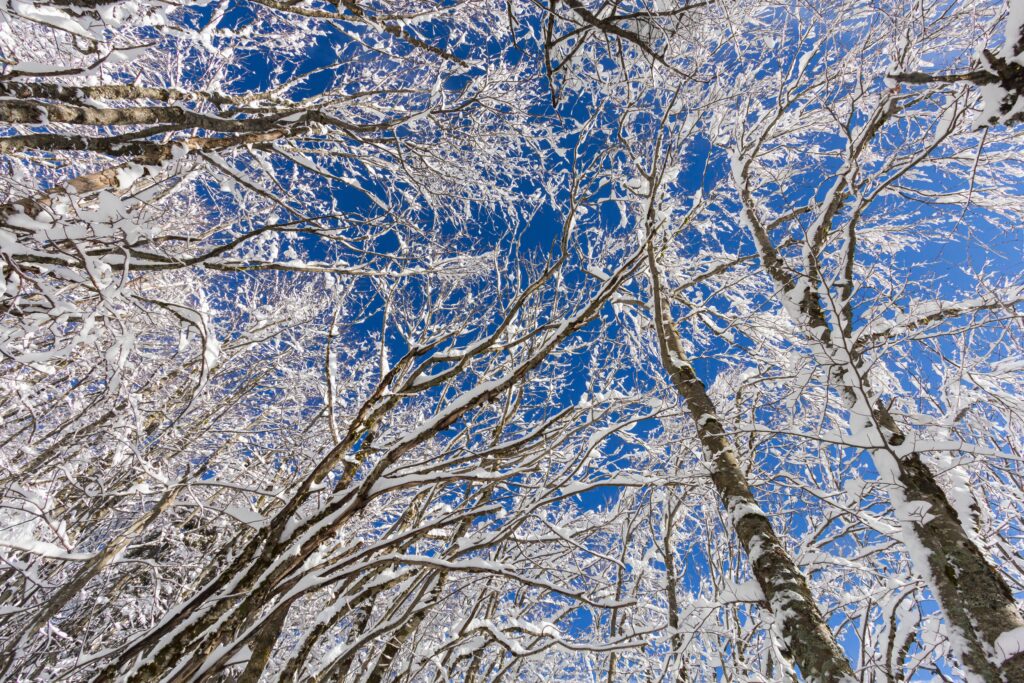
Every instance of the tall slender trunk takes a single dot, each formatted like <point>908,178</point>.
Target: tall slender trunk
<point>807,636</point>
<point>677,658</point>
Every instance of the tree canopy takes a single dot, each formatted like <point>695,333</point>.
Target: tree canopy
<point>484,340</point>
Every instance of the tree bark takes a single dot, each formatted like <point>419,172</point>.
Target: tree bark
<point>806,635</point>
<point>976,601</point>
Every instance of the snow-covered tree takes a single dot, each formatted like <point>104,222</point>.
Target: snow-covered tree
<point>403,340</point>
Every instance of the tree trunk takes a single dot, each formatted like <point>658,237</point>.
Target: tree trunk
<point>976,601</point>
<point>806,635</point>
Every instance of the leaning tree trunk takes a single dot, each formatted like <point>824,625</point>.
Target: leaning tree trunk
<point>807,636</point>
<point>976,602</point>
